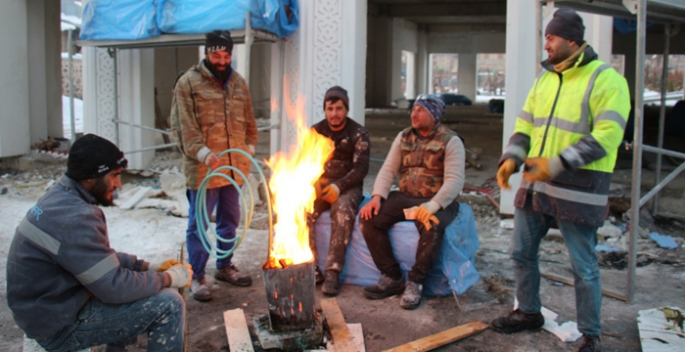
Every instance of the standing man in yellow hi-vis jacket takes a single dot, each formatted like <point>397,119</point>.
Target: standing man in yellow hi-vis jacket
<point>567,136</point>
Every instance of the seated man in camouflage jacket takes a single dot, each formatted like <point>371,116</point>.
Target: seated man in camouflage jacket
<point>429,159</point>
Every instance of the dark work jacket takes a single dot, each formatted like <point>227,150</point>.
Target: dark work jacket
<point>350,161</point>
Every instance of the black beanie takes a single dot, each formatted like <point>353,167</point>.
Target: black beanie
<point>337,92</point>
<point>92,156</point>
<point>566,23</point>
<point>218,40</point>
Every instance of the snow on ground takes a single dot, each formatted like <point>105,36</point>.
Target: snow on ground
<point>66,116</point>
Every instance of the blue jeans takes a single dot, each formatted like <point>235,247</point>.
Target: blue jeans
<point>162,316</point>
<point>227,220</point>
<point>529,228</point>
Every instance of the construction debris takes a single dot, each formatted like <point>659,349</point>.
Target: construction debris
<point>48,145</point>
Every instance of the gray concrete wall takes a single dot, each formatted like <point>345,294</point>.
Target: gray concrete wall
<point>167,69</point>
<point>14,91</point>
<point>465,42</point>
<point>53,73</point>
<point>405,37</point>
<point>379,52</point>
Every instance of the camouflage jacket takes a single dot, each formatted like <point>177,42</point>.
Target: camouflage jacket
<point>350,161</point>
<point>212,119</point>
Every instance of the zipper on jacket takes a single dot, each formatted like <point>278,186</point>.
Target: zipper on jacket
<point>551,114</point>
<point>228,135</point>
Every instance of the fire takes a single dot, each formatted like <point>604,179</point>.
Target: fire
<point>292,185</point>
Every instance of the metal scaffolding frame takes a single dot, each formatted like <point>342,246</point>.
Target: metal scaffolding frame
<point>668,13</point>
<point>247,36</point>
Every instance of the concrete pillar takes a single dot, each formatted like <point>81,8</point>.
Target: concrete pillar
<point>14,75</point>
<point>53,68</point>
<point>599,34</point>
<point>378,72</point>
<point>422,63</point>
<point>323,52</point>
<point>521,70</point>
<point>467,76</point>
<point>136,91</point>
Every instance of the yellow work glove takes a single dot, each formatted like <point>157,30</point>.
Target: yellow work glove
<point>542,169</point>
<point>330,193</point>
<point>426,213</point>
<point>162,266</point>
<point>508,167</point>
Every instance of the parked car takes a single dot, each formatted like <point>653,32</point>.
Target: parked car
<point>455,99</point>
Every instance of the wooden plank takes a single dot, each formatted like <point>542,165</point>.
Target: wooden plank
<point>238,335</point>
<point>570,282</point>
<point>442,338</point>
<point>342,339</point>
<point>357,337</point>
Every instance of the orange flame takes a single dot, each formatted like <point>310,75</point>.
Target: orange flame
<point>292,184</point>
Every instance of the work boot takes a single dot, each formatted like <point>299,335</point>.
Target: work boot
<point>232,275</point>
<point>517,321</point>
<point>200,290</point>
<point>385,287</point>
<point>331,287</point>
<point>319,276</point>
<point>411,298</point>
<point>590,344</point>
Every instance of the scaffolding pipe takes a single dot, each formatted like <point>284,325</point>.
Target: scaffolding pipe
<point>637,143</point>
<point>662,113</point>
<point>143,127</point>
<point>72,113</point>
<point>655,191</point>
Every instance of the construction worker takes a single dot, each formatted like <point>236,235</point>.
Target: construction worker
<point>67,288</point>
<point>341,184</point>
<point>212,112</point>
<point>567,136</point>
<point>429,159</point>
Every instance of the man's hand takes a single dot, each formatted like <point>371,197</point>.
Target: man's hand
<point>180,276</point>
<point>542,169</point>
<point>162,266</point>
<point>371,208</point>
<point>330,193</point>
<point>251,149</point>
<point>213,161</point>
<point>426,213</point>
<point>508,167</point>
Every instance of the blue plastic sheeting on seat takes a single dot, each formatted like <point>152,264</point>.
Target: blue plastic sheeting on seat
<point>119,20</point>
<point>454,269</point>
<point>202,16</point>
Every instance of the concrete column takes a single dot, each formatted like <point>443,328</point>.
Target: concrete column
<point>467,76</point>
<point>599,34</point>
<point>37,70</point>
<point>521,71</point>
<point>323,52</point>
<point>53,69</point>
<point>136,104</point>
<point>378,72</point>
<point>14,75</point>
<point>422,63</point>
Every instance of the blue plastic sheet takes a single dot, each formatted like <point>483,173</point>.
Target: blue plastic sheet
<point>202,16</point>
<point>663,241</point>
<point>119,20</point>
<point>454,269</point>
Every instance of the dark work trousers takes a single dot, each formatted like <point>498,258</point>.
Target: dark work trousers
<point>375,231</point>
<point>343,214</point>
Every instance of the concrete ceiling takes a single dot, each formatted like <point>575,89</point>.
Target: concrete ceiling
<point>484,13</point>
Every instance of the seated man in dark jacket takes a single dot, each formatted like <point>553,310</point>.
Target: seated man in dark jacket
<point>67,288</point>
<point>341,184</point>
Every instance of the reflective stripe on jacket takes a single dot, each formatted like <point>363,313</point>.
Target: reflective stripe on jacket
<point>423,161</point>
<point>578,115</point>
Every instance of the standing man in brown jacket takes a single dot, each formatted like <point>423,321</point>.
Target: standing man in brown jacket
<point>214,110</point>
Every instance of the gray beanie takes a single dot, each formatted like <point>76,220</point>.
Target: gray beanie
<point>567,24</point>
<point>337,92</point>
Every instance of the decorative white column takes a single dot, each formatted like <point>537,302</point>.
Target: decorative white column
<point>328,49</point>
<point>99,93</point>
<point>467,76</point>
<point>521,70</point>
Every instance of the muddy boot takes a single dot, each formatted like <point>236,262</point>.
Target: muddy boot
<point>590,344</point>
<point>331,287</point>
<point>385,287</point>
<point>517,321</point>
<point>411,298</point>
<point>233,276</point>
<point>200,290</point>
<point>319,276</point>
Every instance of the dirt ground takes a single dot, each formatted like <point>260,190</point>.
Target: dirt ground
<point>153,235</point>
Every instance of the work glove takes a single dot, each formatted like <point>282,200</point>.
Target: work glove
<point>162,266</point>
<point>426,213</point>
<point>542,169</point>
<point>330,193</point>
<point>181,276</point>
<point>505,171</point>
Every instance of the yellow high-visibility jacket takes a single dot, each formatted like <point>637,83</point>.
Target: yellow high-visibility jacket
<point>578,115</point>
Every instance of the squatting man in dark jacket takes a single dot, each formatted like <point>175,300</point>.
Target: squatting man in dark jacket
<point>429,159</point>
<point>567,135</point>
<point>340,187</point>
<point>67,288</point>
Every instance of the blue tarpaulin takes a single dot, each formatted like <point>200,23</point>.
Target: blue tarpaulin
<point>139,19</point>
<point>454,269</point>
